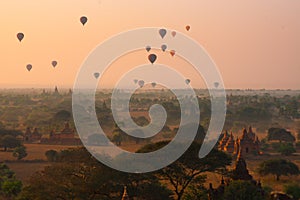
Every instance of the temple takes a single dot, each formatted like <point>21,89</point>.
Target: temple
<point>66,136</point>
<point>240,172</point>
<point>247,144</point>
<point>32,137</point>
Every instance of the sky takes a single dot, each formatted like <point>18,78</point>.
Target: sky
<point>255,44</point>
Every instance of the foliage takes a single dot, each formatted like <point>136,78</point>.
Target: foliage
<point>196,190</point>
<point>20,152</point>
<point>280,134</point>
<point>278,167</point>
<point>188,169</point>
<point>9,185</point>
<point>286,149</point>
<point>293,189</point>
<point>4,131</point>
<point>244,190</point>
<point>78,175</point>
<point>51,155</point>
<point>62,115</point>
<point>9,141</point>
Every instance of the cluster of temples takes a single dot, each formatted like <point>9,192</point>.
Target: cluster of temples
<point>248,143</point>
<point>66,136</point>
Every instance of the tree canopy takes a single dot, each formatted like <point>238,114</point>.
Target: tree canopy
<point>189,169</point>
<point>278,167</point>
<point>280,134</point>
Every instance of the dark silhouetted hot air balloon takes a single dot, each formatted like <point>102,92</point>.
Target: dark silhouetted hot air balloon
<point>96,75</point>
<point>135,81</point>
<point>20,36</point>
<point>54,63</point>
<point>187,27</point>
<point>172,52</point>
<point>153,84</point>
<point>148,48</point>
<point>173,33</point>
<point>216,84</point>
<point>83,20</point>
<point>163,47</point>
<point>187,81</point>
<point>162,32</point>
<point>29,67</point>
<point>152,58</point>
<point>141,83</point>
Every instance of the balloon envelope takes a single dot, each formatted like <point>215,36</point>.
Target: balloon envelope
<point>163,47</point>
<point>83,20</point>
<point>173,33</point>
<point>20,36</point>
<point>29,67</point>
<point>54,63</point>
<point>148,48</point>
<point>187,81</point>
<point>172,52</point>
<point>141,83</point>
<point>162,32</point>
<point>216,84</point>
<point>96,75</point>
<point>153,84</point>
<point>187,27</point>
<point>152,58</point>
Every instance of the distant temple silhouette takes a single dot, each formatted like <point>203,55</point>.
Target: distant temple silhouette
<point>66,136</point>
<point>240,172</point>
<point>247,144</point>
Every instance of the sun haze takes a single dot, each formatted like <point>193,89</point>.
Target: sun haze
<point>255,43</point>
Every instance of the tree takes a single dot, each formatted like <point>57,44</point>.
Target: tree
<point>9,185</point>
<point>62,115</point>
<point>286,149</point>
<point>196,190</point>
<point>78,175</point>
<point>245,190</point>
<point>188,168</point>
<point>20,152</point>
<point>280,134</point>
<point>141,121</point>
<point>51,155</point>
<point>293,189</point>
<point>9,141</point>
<point>118,136</point>
<point>278,167</point>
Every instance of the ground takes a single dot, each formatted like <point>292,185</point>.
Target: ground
<point>36,161</point>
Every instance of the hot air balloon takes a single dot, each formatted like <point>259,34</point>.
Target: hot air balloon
<point>163,47</point>
<point>20,36</point>
<point>141,83</point>
<point>216,84</point>
<point>148,48</point>
<point>152,58</point>
<point>54,63</point>
<point>29,67</point>
<point>173,33</point>
<point>187,27</point>
<point>187,81</point>
<point>96,75</point>
<point>135,81</point>
<point>172,52</point>
<point>83,20</point>
<point>162,32</point>
<point>153,84</point>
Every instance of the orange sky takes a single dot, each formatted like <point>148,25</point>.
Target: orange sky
<point>254,43</point>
